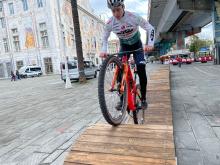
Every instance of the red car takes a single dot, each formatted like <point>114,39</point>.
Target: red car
<point>209,58</point>
<point>203,59</point>
<point>173,61</point>
<point>189,61</point>
<point>183,60</point>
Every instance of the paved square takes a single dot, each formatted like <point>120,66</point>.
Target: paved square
<point>196,113</point>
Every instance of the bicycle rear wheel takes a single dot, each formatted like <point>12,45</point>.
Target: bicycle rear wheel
<point>108,97</point>
<point>139,113</point>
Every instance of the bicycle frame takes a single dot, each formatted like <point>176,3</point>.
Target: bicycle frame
<point>127,78</point>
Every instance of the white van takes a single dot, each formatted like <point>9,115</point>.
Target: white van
<point>90,70</point>
<point>30,71</point>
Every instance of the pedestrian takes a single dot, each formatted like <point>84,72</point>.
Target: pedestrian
<point>179,59</point>
<point>18,75</point>
<point>12,76</point>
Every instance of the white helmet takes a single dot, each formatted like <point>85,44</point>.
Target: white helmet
<point>115,3</point>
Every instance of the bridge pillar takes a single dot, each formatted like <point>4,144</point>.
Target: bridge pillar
<point>216,28</point>
<point>180,39</point>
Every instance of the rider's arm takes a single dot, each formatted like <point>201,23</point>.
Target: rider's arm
<point>107,32</point>
<point>148,28</point>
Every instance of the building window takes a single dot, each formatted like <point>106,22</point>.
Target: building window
<point>72,37</point>
<point>2,22</point>
<point>19,64</point>
<point>44,35</point>
<point>16,41</point>
<point>11,8</point>
<point>1,6</point>
<point>73,40</point>
<point>14,31</point>
<point>40,3</point>
<point>25,5</point>
<point>5,42</point>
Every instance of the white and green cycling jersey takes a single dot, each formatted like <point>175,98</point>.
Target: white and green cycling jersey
<point>127,29</point>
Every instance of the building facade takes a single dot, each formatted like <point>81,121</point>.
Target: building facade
<point>41,32</point>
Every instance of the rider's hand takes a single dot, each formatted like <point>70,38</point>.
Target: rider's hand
<point>103,55</point>
<point>148,48</point>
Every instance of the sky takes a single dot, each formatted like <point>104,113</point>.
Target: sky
<point>140,7</point>
<point>207,32</point>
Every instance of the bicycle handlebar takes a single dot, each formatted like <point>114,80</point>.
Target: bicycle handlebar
<point>126,52</point>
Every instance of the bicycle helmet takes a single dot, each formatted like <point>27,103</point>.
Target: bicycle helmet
<point>115,3</point>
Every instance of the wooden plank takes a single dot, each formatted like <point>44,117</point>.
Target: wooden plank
<point>110,159</point>
<point>128,141</point>
<point>126,150</point>
<point>141,127</point>
<point>130,133</point>
<point>131,129</point>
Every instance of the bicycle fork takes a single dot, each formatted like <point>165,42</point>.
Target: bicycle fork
<point>127,78</point>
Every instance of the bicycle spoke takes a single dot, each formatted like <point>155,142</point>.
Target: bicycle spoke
<point>112,97</point>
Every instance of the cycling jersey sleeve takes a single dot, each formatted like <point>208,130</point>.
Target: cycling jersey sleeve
<point>149,29</point>
<point>107,32</point>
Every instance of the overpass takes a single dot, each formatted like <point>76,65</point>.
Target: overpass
<point>174,20</point>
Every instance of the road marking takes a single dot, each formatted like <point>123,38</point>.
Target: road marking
<point>55,83</point>
<point>202,71</point>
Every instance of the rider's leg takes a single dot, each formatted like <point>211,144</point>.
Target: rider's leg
<point>141,69</point>
<point>142,79</point>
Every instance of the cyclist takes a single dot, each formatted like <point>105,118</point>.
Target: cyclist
<point>125,25</point>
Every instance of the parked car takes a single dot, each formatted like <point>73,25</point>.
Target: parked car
<point>174,62</point>
<point>209,58</point>
<point>30,71</point>
<point>90,70</point>
<point>189,61</point>
<point>203,59</point>
<point>183,60</point>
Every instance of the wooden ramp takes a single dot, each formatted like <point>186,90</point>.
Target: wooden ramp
<point>149,144</point>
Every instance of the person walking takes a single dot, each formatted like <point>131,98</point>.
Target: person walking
<point>12,76</point>
<point>18,75</point>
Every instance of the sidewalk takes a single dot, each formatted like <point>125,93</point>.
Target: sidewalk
<point>196,113</point>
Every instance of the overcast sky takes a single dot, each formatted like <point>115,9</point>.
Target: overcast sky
<point>138,6</point>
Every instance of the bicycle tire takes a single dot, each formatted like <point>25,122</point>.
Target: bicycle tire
<point>101,93</point>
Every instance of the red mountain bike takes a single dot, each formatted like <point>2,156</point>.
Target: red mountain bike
<point>117,85</point>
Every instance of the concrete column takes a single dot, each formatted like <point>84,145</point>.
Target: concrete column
<point>180,39</point>
<point>216,28</point>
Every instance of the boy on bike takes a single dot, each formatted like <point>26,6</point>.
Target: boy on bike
<point>125,25</point>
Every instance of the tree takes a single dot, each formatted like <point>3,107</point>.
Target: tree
<point>197,44</point>
<point>82,77</point>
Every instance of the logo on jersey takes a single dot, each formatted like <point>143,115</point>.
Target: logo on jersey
<point>123,27</point>
<point>126,29</point>
<point>152,35</point>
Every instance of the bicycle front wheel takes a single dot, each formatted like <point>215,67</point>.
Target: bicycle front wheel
<point>112,100</point>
